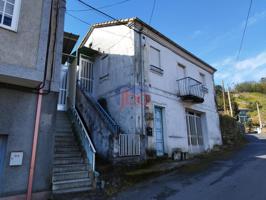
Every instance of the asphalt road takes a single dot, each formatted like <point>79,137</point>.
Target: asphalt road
<point>241,177</point>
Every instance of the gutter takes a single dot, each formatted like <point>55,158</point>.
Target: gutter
<point>34,144</point>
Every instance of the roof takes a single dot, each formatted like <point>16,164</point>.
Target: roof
<point>135,19</point>
<point>89,52</point>
<point>69,42</point>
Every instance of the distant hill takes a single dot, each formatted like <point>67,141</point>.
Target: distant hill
<point>248,100</point>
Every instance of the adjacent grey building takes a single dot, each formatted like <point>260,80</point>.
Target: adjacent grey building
<point>31,39</point>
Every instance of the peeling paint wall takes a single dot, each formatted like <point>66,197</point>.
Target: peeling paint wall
<point>162,88</point>
<point>127,55</point>
<point>117,87</point>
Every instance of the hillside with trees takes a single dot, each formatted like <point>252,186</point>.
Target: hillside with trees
<point>245,95</point>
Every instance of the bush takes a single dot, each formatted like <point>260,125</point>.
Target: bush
<point>231,130</point>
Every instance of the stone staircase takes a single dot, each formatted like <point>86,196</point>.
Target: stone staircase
<point>71,172</point>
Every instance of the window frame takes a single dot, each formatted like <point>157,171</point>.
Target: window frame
<point>15,16</point>
<point>104,67</point>
<point>159,64</point>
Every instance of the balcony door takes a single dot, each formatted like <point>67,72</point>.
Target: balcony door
<point>86,75</point>
<point>194,132</point>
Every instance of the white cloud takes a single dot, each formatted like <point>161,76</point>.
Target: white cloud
<point>196,33</point>
<point>253,62</point>
<point>248,69</point>
<point>256,18</point>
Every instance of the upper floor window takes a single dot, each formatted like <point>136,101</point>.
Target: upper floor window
<point>9,14</point>
<point>105,63</point>
<point>202,79</point>
<point>155,60</point>
<point>154,57</point>
<point>181,70</point>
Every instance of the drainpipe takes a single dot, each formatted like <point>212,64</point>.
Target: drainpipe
<point>142,82</point>
<point>34,144</point>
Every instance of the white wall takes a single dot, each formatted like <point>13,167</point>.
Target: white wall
<point>117,43</point>
<point>163,90</point>
<point>120,88</point>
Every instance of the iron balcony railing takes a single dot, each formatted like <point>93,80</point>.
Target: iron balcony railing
<point>191,88</point>
<point>84,138</point>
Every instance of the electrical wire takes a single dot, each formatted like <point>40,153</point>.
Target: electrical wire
<point>96,9</point>
<point>77,18</point>
<point>106,6</point>
<point>244,31</point>
<point>95,45</point>
<point>152,11</point>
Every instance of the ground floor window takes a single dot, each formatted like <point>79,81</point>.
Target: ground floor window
<point>194,129</point>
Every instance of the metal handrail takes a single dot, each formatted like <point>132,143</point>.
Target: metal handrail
<point>104,115</point>
<point>84,135</point>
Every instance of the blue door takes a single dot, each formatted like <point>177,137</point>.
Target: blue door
<point>158,127</point>
<point>3,142</point>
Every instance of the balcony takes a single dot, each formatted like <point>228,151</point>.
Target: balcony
<point>191,90</point>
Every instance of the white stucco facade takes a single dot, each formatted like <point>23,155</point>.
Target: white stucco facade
<point>123,75</point>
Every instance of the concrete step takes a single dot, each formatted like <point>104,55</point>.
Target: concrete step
<point>69,184</point>
<point>62,120</point>
<point>63,134</point>
<point>63,131</point>
<point>64,137</point>
<point>66,149</point>
<point>72,190</point>
<point>66,144</point>
<point>70,175</point>
<point>67,155</point>
<point>66,141</point>
<point>73,144</point>
<point>70,168</point>
<point>64,125</point>
<point>63,161</point>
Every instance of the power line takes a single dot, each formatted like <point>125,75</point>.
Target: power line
<point>152,11</point>
<point>244,32</point>
<point>106,15</point>
<point>122,36</point>
<point>96,9</point>
<point>77,18</point>
<point>106,6</point>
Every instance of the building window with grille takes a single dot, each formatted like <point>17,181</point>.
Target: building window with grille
<point>194,129</point>
<point>9,14</point>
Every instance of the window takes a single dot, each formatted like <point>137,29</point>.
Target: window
<point>154,57</point>
<point>194,128</point>
<point>86,75</point>
<point>105,63</point>
<point>155,61</point>
<point>9,14</point>
<point>202,79</point>
<point>181,70</point>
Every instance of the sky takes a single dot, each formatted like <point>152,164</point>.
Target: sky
<point>210,29</point>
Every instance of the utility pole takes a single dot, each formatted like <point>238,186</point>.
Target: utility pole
<point>225,111</point>
<point>230,104</point>
<point>259,114</point>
